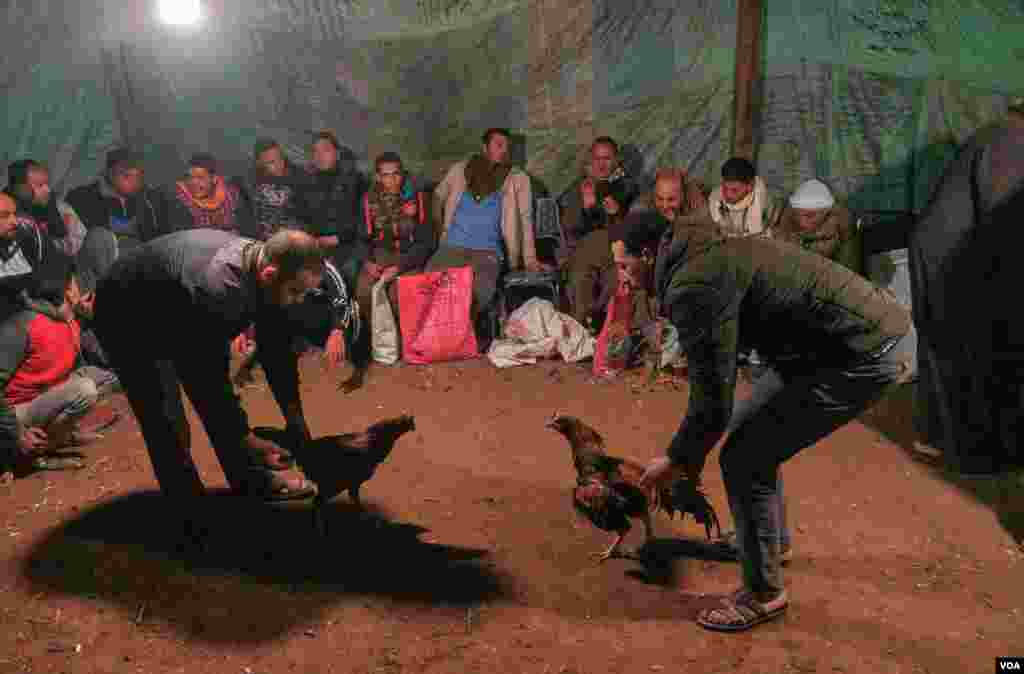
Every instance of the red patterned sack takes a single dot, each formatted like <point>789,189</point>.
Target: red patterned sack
<point>434,315</point>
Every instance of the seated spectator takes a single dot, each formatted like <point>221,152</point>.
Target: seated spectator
<point>270,188</point>
<point>604,194</point>
<point>120,203</point>
<point>400,239</point>
<point>640,231</point>
<point>120,213</point>
<point>207,201</point>
<point>28,181</point>
<point>674,195</point>
<point>741,205</point>
<point>44,394</point>
<point>23,249</point>
<point>655,212</point>
<point>485,208</point>
<point>325,203</point>
<point>814,221</point>
<point>328,207</point>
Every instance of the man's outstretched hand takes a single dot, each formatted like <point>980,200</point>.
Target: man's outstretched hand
<point>242,345</point>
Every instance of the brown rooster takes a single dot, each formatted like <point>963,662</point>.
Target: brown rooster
<point>608,493</point>
<point>338,463</point>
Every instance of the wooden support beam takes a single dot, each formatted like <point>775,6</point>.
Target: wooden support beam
<point>749,24</point>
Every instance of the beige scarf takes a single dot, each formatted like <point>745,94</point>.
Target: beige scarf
<point>745,217</point>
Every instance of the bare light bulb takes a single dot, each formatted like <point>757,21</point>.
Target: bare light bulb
<point>181,12</point>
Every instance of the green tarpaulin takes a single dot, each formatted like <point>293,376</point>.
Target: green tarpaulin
<point>873,96</point>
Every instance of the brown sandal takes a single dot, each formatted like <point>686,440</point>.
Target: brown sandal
<point>741,611</point>
<point>58,463</point>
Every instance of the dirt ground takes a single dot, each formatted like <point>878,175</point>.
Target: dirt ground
<point>471,559</point>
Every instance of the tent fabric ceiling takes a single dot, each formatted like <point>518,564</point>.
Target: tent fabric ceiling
<point>874,96</point>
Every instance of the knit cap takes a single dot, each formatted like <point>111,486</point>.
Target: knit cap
<point>812,195</point>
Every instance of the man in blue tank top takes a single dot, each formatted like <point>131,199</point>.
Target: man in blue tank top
<point>485,207</point>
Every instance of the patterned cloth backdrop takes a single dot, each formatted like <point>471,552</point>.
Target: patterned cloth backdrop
<point>874,96</point>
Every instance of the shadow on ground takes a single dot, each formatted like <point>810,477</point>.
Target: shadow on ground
<point>264,572</point>
<point>658,558</point>
<point>893,417</point>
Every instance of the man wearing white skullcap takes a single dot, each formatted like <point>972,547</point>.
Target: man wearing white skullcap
<point>815,221</point>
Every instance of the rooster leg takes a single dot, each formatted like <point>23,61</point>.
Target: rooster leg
<point>613,551</point>
<point>319,521</point>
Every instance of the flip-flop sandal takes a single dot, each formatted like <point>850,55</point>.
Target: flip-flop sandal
<point>743,612</point>
<point>280,491</point>
<point>57,463</point>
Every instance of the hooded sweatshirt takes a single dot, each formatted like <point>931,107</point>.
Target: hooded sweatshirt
<point>20,258</point>
<point>134,220</point>
<point>38,350</point>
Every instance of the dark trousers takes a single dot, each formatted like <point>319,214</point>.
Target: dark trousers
<point>152,384</point>
<point>773,426</point>
<point>591,272</point>
<point>766,385</point>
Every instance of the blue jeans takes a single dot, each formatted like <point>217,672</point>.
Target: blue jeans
<point>58,409</point>
<point>770,428</point>
<point>766,384</point>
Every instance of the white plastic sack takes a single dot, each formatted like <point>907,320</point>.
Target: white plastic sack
<point>384,339</point>
<point>536,330</point>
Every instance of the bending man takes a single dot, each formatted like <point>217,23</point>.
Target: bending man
<point>829,334</point>
<point>195,292</point>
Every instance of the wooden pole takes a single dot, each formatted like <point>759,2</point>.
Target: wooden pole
<point>749,22</point>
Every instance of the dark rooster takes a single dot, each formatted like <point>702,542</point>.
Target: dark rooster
<point>608,493</point>
<point>338,463</point>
